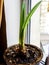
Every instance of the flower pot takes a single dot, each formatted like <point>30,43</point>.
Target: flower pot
<point>13,56</point>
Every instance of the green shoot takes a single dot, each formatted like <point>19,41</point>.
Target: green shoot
<point>24,22</point>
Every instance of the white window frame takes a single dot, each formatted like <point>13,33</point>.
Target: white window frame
<point>35,25</point>
<point>44,34</point>
<point>36,36</point>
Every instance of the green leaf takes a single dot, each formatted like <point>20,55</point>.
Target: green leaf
<point>29,15</point>
<point>22,18</point>
<point>24,22</point>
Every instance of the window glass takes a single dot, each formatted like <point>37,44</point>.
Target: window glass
<point>44,17</point>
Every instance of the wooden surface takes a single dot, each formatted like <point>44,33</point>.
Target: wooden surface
<point>3,40</point>
<point>1,5</point>
<point>3,64</point>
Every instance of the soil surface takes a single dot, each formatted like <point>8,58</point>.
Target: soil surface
<point>13,55</point>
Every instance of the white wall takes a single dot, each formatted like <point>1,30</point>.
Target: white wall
<point>35,26</point>
<point>12,10</point>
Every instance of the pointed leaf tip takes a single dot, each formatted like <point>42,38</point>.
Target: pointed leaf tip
<point>30,14</point>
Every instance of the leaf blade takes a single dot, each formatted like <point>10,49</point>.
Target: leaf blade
<point>22,18</point>
<point>30,14</point>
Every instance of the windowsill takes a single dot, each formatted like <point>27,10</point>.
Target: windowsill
<point>44,36</point>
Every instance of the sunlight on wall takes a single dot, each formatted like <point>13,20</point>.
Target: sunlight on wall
<point>35,26</point>
<point>47,23</point>
<point>44,18</point>
<point>12,10</point>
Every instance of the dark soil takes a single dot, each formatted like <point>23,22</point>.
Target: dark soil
<point>13,55</point>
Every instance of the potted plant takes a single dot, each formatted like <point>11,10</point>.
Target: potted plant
<point>23,54</point>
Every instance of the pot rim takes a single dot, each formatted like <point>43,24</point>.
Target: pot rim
<point>30,46</point>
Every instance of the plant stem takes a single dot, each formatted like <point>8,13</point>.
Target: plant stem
<point>21,32</point>
<point>21,40</point>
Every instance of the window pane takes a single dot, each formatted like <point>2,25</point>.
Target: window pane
<point>44,17</point>
<point>35,25</point>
